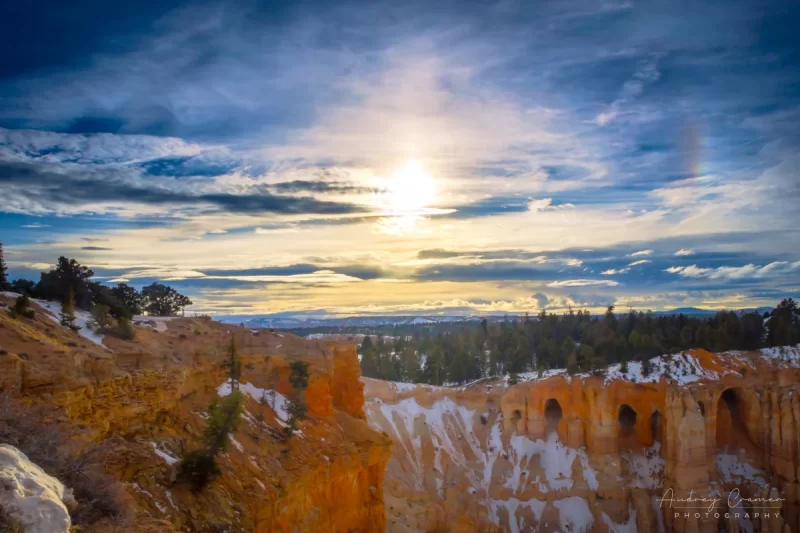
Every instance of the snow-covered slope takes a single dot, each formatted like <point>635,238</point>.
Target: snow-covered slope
<point>83,319</point>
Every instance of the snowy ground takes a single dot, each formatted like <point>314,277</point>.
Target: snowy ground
<point>274,399</point>
<point>158,323</point>
<point>82,320</point>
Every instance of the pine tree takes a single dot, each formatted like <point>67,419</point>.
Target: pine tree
<point>233,365</point>
<point>572,364</point>
<point>199,468</point>
<point>67,314</point>
<point>298,377</point>
<point>4,284</point>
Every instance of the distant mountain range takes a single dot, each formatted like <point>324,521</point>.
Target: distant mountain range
<point>300,322</point>
<point>289,322</point>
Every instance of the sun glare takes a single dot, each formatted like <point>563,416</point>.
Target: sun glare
<point>410,190</point>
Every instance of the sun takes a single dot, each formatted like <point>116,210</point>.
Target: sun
<point>410,190</point>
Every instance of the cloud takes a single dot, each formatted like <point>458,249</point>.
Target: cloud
<point>640,262</point>
<point>615,271</point>
<point>641,253</point>
<point>684,252</point>
<point>735,273</point>
<point>335,187</point>
<point>541,299</point>
<point>583,283</point>
<point>47,189</point>
<point>35,226</point>
<point>646,74</point>
<point>95,248</point>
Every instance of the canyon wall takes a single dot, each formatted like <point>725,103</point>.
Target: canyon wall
<point>599,452</point>
<point>145,400</point>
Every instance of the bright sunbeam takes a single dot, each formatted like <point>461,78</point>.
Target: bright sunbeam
<point>410,190</point>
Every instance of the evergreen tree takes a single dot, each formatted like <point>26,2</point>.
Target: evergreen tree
<point>67,276</point>
<point>161,300</point>
<point>67,315</point>
<point>298,377</point>
<point>572,364</point>
<point>4,284</point>
<point>129,297</point>
<point>233,365</point>
<point>199,468</point>
<point>23,286</point>
<point>22,307</point>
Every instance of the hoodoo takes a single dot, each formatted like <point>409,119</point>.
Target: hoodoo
<point>612,451</point>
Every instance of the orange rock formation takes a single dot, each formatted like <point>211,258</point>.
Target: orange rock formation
<point>483,453</point>
<point>147,398</point>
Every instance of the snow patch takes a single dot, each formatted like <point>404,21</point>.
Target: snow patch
<point>647,470</point>
<point>732,470</point>
<point>158,323</point>
<point>627,527</point>
<point>167,457</point>
<point>574,513</point>
<point>82,320</point>
<point>274,399</point>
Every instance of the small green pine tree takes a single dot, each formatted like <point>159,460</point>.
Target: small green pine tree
<point>67,314</point>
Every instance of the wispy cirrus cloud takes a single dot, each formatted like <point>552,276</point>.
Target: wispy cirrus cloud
<point>741,272</point>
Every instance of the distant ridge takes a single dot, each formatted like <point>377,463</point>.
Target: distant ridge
<point>282,321</point>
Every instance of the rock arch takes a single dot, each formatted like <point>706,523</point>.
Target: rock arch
<point>552,414</point>
<point>730,428</point>
<point>627,419</point>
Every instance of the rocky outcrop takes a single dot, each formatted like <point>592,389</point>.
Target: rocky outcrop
<point>147,398</point>
<point>599,452</point>
<point>31,498</point>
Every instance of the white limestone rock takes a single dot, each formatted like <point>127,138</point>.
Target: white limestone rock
<point>29,496</point>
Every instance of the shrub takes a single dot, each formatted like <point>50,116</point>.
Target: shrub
<point>101,319</point>
<point>198,469</point>
<point>124,330</point>
<point>22,308</point>
<point>513,379</point>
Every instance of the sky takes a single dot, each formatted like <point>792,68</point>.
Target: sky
<point>355,158</point>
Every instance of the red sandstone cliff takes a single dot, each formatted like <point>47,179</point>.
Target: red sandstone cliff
<point>146,399</point>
